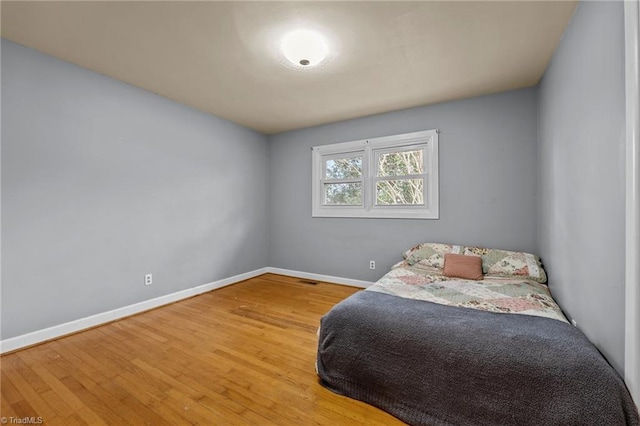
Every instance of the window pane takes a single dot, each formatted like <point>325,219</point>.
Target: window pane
<point>343,168</point>
<point>400,192</point>
<point>401,163</point>
<point>343,194</point>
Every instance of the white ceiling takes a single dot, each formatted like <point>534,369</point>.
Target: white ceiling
<point>222,57</point>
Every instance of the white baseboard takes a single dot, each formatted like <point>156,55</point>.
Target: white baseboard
<point>318,277</point>
<point>57,331</point>
<point>70,327</point>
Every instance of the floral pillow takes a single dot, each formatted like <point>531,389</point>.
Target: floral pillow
<point>504,263</point>
<point>430,254</point>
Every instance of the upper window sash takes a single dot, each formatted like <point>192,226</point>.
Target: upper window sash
<point>346,156</point>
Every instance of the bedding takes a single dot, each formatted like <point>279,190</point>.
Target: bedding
<point>507,263</point>
<point>493,293</point>
<point>495,262</point>
<point>441,351</point>
<point>430,254</point>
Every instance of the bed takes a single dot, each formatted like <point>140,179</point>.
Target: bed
<point>434,349</point>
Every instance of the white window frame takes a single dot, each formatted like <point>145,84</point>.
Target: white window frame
<point>369,148</point>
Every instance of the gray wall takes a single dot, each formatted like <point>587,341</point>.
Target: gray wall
<point>103,182</point>
<point>487,187</point>
<point>581,174</point>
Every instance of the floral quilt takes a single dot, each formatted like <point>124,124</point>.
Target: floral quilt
<point>494,294</point>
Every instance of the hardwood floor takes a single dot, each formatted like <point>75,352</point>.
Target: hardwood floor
<point>240,355</point>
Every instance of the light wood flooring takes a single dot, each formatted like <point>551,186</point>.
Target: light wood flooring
<point>240,355</point>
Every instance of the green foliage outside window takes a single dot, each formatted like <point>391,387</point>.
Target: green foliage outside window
<point>400,191</point>
<point>348,194</point>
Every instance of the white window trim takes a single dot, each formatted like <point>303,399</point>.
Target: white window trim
<point>368,148</point>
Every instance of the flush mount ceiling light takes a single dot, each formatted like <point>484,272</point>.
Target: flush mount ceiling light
<point>304,48</point>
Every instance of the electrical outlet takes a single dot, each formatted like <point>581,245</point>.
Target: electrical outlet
<point>575,324</point>
<point>372,264</point>
<point>148,279</point>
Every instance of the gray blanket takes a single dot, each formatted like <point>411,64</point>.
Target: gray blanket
<point>430,364</point>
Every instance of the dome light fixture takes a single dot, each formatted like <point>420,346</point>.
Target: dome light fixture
<point>304,48</point>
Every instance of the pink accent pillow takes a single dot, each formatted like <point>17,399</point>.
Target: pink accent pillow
<point>461,266</point>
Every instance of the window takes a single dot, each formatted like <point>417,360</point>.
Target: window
<point>389,177</point>
<point>343,180</point>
